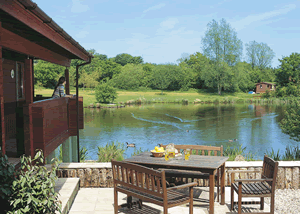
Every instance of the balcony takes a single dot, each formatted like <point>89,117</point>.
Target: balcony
<point>53,121</point>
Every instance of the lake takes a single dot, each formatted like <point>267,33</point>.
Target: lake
<point>255,127</point>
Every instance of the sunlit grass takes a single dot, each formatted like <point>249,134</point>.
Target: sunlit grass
<point>154,96</point>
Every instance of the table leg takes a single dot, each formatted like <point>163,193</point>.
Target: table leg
<point>223,184</point>
<point>211,191</point>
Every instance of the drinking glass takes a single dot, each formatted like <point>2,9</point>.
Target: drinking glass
<point>187,154</point>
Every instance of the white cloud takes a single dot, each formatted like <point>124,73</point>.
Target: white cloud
<point>156,7</point>
<point>78,7</point>
<point>82,34</point>
<point>238,25</point>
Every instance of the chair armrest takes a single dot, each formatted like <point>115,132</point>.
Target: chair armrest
<point>247,171</point>
<point>254,180</point>
<point>183,186</point>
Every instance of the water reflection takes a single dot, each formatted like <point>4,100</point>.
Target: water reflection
<point>254,126</point>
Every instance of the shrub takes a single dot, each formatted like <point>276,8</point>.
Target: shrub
<point>111,151</point>
<point>138,151</point>
<point>33,190</point>
<point>7,176</point>
<point>83,154</point>
<point>233,152</point>
<point>105,92</point>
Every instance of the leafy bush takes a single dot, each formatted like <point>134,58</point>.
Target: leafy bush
<point>111,151</point>
<point>83,154</point>
<point>138,151</point>
<point>105,92</point>
<point>33,190</point>
<point>232,152</point>
<point>7,176</point>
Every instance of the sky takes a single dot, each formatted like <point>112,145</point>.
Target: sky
<point>163,31</point>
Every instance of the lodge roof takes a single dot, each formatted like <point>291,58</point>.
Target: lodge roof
<point>265,83</point>
<point>26,19</point>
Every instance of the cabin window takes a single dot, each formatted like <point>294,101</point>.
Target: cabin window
<point>19,81</point>
<point>260,86</point>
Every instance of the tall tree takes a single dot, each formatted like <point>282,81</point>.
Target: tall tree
<point>124,58</point>
<point>259,54</point>
<point>220,43</point>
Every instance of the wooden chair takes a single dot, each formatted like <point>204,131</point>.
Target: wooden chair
<point>263,187</point>
<point>147,185</point>
<point>198,150</point>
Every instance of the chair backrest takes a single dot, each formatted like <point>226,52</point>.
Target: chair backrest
<point>269,170</point>
<point>139,178</point>
<point>200,149</point>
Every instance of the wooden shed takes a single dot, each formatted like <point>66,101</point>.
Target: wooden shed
<point>28,122</point>
<point>262,87</point>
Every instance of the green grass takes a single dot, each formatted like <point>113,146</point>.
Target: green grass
<point>155,96</point>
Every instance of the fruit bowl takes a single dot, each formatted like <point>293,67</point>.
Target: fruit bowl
<point>157,154</point>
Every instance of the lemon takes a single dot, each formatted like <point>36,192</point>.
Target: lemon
<point>156,148</point>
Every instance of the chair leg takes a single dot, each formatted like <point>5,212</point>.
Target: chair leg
<point>232,198</point>
<point>272,203</point>
<point>116,201</point>
<point>140,202</point>
<point>218,184</point>
<point>262,203</point>
<point>165,210</point>
<point>240,199</point>
<point>129,201</point>
<point>191,200</point>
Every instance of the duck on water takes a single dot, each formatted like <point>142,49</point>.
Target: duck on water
<point>130,144</point>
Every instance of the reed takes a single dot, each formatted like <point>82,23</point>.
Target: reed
<point>111,151</point>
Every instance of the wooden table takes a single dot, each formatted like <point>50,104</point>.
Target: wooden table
<point>208,164</point>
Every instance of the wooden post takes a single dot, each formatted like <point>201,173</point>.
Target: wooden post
<point>28,81</point>
<point>67,81</point>
<point>29,93</point>
<point>1,97</point>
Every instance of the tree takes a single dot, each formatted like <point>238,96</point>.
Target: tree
<point>124,58</point>
<point>220,43</point>
<point>289,70</point>
<point>109,68</point>
<point>218,76</point>
<point>161,78</point>
<point>105,92</point>
<point>131,77</point>
<point>290,124</point>
<point>223,48</point>
<point>184,57</point>
<point>47,74</point>
<point>259,54</point>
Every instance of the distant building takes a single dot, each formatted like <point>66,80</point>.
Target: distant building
<point>263,86</point>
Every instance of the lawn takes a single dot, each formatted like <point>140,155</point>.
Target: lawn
<point>154,96</point>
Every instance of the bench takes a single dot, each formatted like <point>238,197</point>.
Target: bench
<point>147,185</point>
<point>198,150</point>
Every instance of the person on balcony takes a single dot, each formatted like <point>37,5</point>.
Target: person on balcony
<point>59,90</point>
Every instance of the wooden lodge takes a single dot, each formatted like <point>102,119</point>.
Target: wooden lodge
<point>262,87</point>
<point>28,122</point>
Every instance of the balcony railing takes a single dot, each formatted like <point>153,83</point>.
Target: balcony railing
<point>53,121</point>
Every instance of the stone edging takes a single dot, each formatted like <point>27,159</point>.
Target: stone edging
<point>100,174</point>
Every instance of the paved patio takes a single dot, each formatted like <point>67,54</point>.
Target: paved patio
<point>100,200</point>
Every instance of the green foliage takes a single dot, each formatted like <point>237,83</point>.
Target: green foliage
<point>232,152</point>
<point>290,124</point>
<point>33,190</point>
<point>131,77</point>
<point>259,54</point>
<point>124,59</point>
<point>138,151</point>
<point>83,154</point>
<point>47,74</point>
<point>273,155</point>
<point>111,151</point>
<point>289,70</point>
<point>7,176</point>
<point>290,154</point>
<point>220,43</point>
<point>109,69</point>
<point>105,92</point>
<point>268,94</point>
